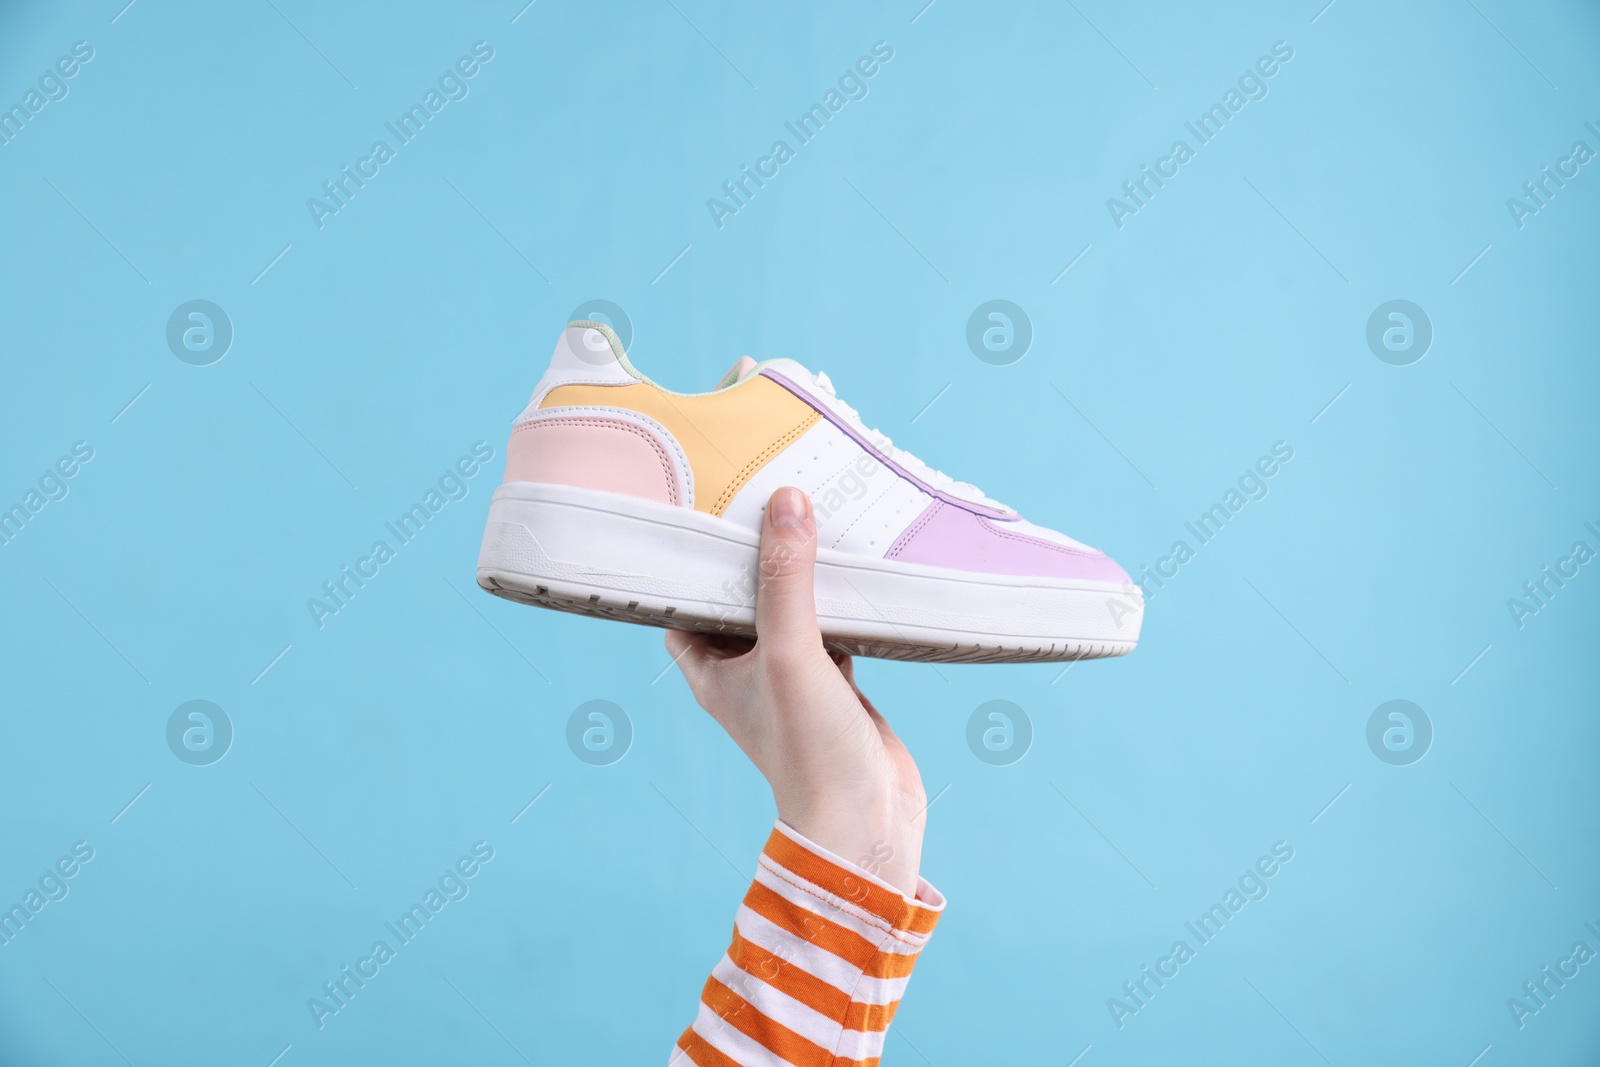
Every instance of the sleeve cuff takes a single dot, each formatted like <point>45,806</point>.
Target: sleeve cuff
<point>852,887</point>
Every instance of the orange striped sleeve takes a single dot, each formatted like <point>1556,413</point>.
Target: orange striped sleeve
<point>821,954</point>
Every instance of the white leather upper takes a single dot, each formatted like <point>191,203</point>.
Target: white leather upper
<point>861,505</point>
<point>820,389</point>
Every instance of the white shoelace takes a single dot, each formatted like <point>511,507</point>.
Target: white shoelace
<point>880,440</point>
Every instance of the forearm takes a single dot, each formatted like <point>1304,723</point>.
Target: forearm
<point>821,954</point>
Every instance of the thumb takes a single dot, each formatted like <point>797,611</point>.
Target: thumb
<point>786,605</point>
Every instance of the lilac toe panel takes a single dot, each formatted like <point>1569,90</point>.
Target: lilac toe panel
<point>949,536</point>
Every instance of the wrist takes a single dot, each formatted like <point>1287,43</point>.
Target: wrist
<point>881,835</point>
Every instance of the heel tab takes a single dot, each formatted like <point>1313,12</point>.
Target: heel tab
<point>586,353</point>
<point>613,343</point>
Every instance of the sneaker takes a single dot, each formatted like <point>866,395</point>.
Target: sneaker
<point>627,501</point>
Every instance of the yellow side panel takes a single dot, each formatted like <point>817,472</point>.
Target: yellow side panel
<point>728,436</point>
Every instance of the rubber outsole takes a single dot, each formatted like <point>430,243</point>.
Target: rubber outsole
<point>600,606</point>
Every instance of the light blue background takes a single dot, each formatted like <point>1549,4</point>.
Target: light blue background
<point>426,715</point>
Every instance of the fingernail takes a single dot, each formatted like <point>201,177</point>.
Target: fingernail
<point>788,508</point>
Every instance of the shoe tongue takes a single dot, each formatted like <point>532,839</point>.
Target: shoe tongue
<point>738,372</point>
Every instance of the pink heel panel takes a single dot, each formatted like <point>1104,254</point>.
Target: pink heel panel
<point>592,453</point>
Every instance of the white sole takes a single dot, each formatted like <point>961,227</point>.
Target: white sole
<point>619,557</point>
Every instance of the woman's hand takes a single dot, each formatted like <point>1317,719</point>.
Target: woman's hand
<point>839,774</point>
